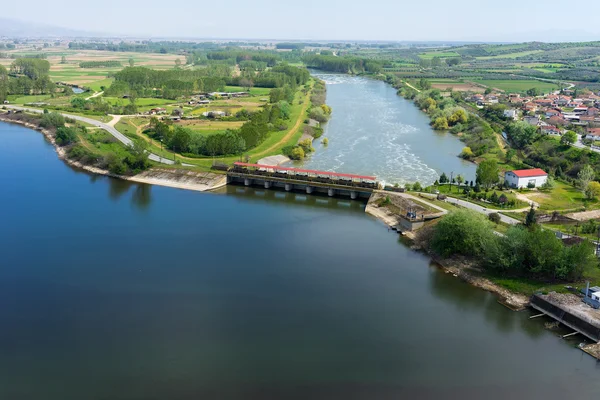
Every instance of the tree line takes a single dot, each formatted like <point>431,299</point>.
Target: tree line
<point>524,251</point>
<point>346,65</point>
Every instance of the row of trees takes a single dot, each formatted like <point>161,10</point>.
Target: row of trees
<point>353,65</point>
<point>528,252</point>
<point>26,76</point>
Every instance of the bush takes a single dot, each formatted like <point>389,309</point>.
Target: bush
<point>494,217</point>
<point>52,120</point>
<point>65,136</point>
<point>297,153</point>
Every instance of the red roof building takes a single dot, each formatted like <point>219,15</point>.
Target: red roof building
<point>528,173</point>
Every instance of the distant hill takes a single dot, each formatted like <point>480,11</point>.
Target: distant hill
<point>15,28</point>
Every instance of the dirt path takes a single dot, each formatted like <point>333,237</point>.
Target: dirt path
<point>292,131</point>
<point>94,95</point>
<point>411,86</point>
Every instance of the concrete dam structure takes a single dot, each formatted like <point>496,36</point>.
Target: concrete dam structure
<point>307,181</point>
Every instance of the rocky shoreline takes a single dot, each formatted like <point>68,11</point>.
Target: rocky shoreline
<point>179,179</point>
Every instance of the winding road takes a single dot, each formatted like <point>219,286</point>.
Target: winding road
<point>110,129</point>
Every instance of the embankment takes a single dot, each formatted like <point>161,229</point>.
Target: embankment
<point>175,178</point>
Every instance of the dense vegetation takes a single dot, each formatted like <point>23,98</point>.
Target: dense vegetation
<point>171,84</point>
<point>231,142</point>
<point>26,76</point>
<point>528,252</point>
<point>346,65</point>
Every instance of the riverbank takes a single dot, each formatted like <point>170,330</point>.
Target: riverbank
<point>175,178</point>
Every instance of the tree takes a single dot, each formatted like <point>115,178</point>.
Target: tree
<point>65,136</point>
<point>417,187</point>
<point>436,62</point>
<point>131,62</point>
<point>63,60</point>
<point>467,153</point>
<point>533,92</point>
<point>462,232</point>
<point>549,184</point>
<point>569,138</point>
<point>443,178</point>
<point>460,180</point>
<point>531,218</point>
<point>593,190</point>
<point>521,133</point>
<point>459,117</point>
<point>297,153</point>
<point>488,173</point>
<point>440,124</point>
<point>424,84</point>
<point>510,154</point>
<point>177,63</point>
<point>585,176</point>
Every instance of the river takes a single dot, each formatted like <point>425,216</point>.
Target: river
<point>112,290</point>
<point>376,132</point>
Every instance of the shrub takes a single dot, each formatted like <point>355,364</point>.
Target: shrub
<point>494,217</point>
<point>65,136</point>
<point>297,153</point>
<point>52,120</point>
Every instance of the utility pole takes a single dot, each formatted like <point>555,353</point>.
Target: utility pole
<point>451,179</point>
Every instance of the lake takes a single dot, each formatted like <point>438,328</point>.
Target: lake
<point>112,290</point>
<point>374,131</point>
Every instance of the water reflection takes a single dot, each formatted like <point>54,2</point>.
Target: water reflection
<point>141,196</point>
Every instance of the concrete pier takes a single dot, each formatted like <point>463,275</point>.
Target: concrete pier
<point>288,187</point>
<point>353,195</point>
<point>267,184</point>
<point>330,192</point>
<point>247,182</point>
<point>309,190</point>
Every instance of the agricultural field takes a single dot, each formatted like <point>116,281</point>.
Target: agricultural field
<point>519,85</point>
<point>511,55</point>
<point>441,54</point>
<point>446,84</point>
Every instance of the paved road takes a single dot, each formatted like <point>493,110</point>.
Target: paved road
<point>118,135</point>
<point>482,210</point>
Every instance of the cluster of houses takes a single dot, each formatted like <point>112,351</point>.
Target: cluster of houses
<point>550,113</point>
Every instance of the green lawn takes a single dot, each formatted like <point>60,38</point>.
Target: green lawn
<point>141,102</point>
<point>455,191</point>
<point>562,197</point>
<point>255,91</point>
<point>519,85</point>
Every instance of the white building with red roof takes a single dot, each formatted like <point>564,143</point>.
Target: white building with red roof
<point>523,178</point>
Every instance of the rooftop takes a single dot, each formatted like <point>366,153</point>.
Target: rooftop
<point>527,173</point>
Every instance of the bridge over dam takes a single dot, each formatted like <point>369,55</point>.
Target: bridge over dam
<point>306,180</point>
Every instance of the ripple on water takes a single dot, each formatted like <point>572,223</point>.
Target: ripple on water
<point>375,132</point>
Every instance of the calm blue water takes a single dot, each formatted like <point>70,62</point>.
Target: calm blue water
<point>117,291</point>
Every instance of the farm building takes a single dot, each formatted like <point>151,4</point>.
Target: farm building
<point>523,178</point>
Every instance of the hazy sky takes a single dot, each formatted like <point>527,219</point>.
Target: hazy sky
<point>474,20</point>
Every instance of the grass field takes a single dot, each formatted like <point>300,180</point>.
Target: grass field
<point>210,127</point>
<point>519,85</point>
<point>562,197</point>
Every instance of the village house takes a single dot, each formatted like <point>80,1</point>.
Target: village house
<point>552,113</point>
<point>214,114</point>
<point>524,178</point>
<point>592,133</point>
<point>550,130</point>
<point>543,102</point>
<point>532,120</point>
<point>593,111</point>
<point>529,107</point>
<point>580,110</point>
<point>557,121</point>
<point>511,114</point>
<point>562,101</point>
<point>156,111</point>
<point>586,119</point>
<point>177,112</point>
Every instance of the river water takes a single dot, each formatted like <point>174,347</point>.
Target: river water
<point>112,290</point>
<point>376,132</point>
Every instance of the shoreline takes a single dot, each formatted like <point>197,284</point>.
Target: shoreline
<point>153,176</point>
